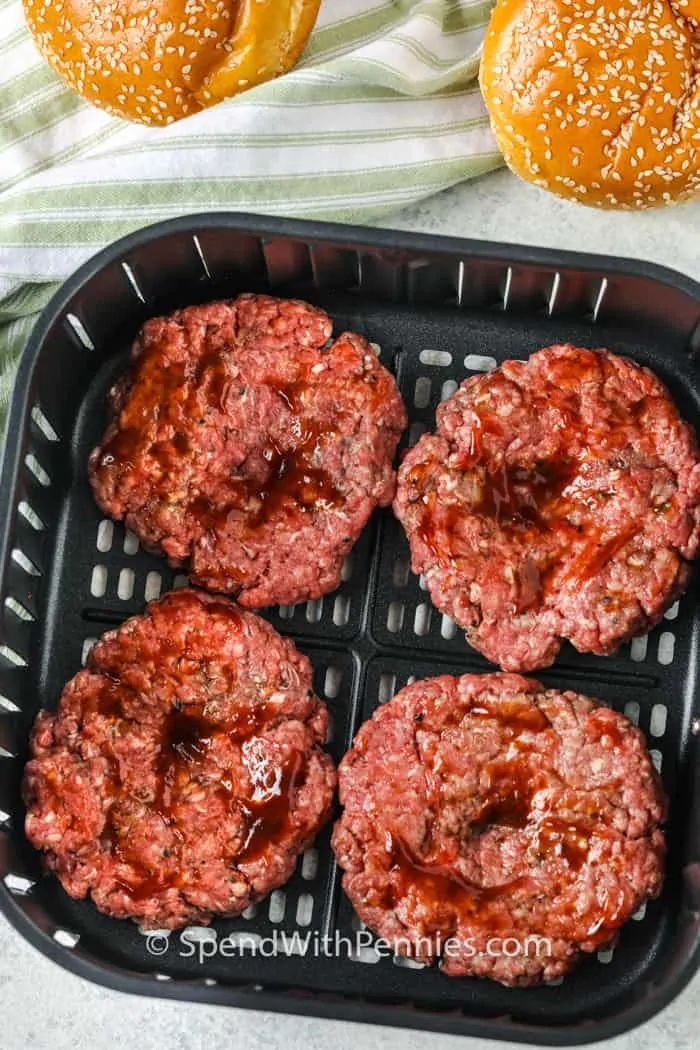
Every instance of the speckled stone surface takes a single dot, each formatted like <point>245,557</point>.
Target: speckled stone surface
<point>499,207</point>
<point>47,1008</point>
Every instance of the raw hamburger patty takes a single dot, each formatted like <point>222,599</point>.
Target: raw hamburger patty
<point>559,498</point>
<point>488,807</point>
<point>183,773</point>
<point>249,450</point>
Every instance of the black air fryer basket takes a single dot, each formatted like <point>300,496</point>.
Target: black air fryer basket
<point>438,309</point>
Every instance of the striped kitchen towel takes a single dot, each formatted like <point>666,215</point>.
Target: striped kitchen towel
<point>383,110</point>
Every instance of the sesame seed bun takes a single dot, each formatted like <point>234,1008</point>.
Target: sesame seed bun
<point>156,61</point>
<point>597,100</point>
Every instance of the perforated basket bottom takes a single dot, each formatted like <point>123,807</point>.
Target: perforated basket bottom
<point>74,574</point>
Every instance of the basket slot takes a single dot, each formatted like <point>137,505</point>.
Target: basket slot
<point>333,267</point>
<point>133,281</point>
<point>77,329</point>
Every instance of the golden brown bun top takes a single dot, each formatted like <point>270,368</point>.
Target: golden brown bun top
<point>156,61</point>
<point>598,100</point>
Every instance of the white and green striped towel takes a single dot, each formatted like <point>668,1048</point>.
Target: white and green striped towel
<point>383,110</point>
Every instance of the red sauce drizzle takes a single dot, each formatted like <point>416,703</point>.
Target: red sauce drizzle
<point>526,497</point>
<point>186,738</point>
<point>292,480</point>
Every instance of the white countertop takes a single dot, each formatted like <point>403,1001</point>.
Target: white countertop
<point>46,1008</point>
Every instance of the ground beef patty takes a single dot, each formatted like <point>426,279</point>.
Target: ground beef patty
<point>183,772</point>
<point>559,498</point>
<point>488,807</point>
<point>248,449</point>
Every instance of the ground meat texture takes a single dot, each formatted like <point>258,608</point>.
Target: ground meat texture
<point>488,807</point>
<point>183,772</point>
<point>558,499</point>
<point>248,448</point>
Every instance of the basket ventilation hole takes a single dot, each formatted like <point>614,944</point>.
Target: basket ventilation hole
<point>356,923</point>
<point>605,956</point>
<point>87,646</point>
<point>162,977</point>
<point>80,332</point>
<point>13,657</point>
<point>416,430</point>
<point>98,581</point>
<point>331,682</point>
<point>411,679</point>
<point>421,619</point>
<point>341,610</point>
<point>8,705</point>
<point>31,516</point>
<point>346,571</point>
<point>632,711</point>
<point>638,649</point>
<point>448,389</point>
<point>131,543</point>
<point>672,613</point>
<point>305,909</point>
<point>250,912</point>
<point>180,581</point>
<point>667,644</point>
<point>18,884</point>
<point>507,286</point>
<point>377,349</point>
<point>394,618</point>
<point>314,610</point>
<point>105,536</point>
<point>125,586</point>
<point>200,254</point>
<point>152,587</point>
<point>43,424</point>
<point>407,964</point>
<point>131,278</point>
<point>4,818</point>
<point>479,363</point>
<point>657,724</point>
<point>657,758</point>
<point>286,611</point>
<point>210,982</point>
<point>421,395</point>
<point>37,470</point>
<point>599,298</point>
<point>640,912</point>
<point>21,559</point>
<point>387,685</point>
<point>18,609</point>
<point>421,582</point>
<point>554,292</point>
<point>448,628</point>
<point>400,574</point>
<point>66,938</point>
<point>309,864</point>
<point>441,358</point>
<point>278,905</point>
